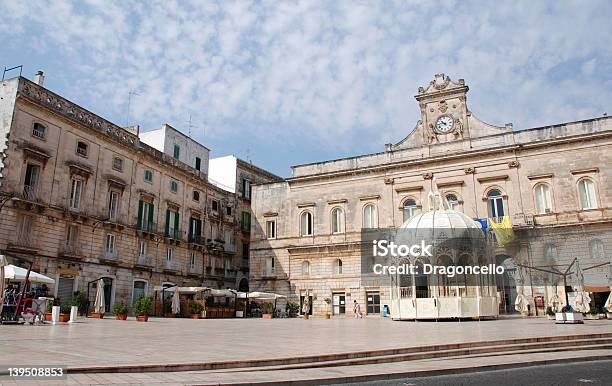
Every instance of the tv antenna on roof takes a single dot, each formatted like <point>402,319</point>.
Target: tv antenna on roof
<point>127,118</point>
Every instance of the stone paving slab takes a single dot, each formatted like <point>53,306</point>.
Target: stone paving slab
<point>110,342</point>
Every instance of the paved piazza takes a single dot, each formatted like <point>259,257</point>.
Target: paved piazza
<point>110,342</point>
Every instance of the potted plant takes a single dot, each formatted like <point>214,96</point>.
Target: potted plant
<point>267,310</point>
<point>79,300</point>
<point>569,316</point>
<point>550,313</point>
<point>50,305</point>
<point>121,311</point>
<point>292,309</point>
<point>142,308</point>
<point>328,302</point>
<point>64,313</point>
<point>196,310</point>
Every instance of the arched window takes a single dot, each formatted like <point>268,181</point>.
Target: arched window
<point>542,198</point>
<point>496,205</point>
<point>370,216</point>
<point>586,189</point>
<point>306,268</point>
<point>596,247</point>
<point>337,267</point>
<point>410,209</point>
<point>306,224</point>
<point>337,220</point>
<point>453,202</point>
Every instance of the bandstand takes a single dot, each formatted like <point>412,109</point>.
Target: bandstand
<point>457,241</point>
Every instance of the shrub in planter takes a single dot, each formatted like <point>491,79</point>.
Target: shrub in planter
<point>120,310</point>
<point>550,313</point>
<point>267,310</point>
<point>142,308</point>
<point>49,310</point>
<point>292,308</point>
<point>79,300</point>
<point>64,313</point>
<point>196,310</point>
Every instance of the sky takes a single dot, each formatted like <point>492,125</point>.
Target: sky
<point>283,83</point>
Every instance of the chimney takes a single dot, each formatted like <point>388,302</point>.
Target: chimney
<point>39,78</point>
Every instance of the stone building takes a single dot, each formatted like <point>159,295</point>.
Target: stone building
<point>84,199</point>
<point>553,183</point>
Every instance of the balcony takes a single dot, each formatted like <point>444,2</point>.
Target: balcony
<point>23,242</point>
<point>70,249</point>
<point>144,261</point>
<point>195,269</point>
<point>197,239</point>
<point>171,265</point>
<point>229,248</point>
<point>29,193</point>
<point>173,233</point>
<point>146,226</point>
<point>110,256</point>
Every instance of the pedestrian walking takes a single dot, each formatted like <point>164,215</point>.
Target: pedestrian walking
<point>356,309</point>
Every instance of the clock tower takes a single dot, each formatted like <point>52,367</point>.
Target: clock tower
<point>444,113</point>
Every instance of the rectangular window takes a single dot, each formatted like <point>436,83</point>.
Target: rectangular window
<point>148,175</point>
<point>113,203</point>
<point>173,186</point>
<point>110,243</point>
<point>169,254</point>
<point>245,250</point>
<point>193,259</point>
<point>143,248</point>
<point>118,164</point>
<point>81,148</point>
<point>213,231</point>
<point>172,224</point>
<point>177,151</point>
<point>196,195</point>
<point>246,188</point>
<point>246,221</point>
<point>198,163</point>
<point>39,130</point>
<point>270,270</point>
<point>271,229</point>
<point>75,194</point>
<point>31,182</point>
<point>72,235</point>
<point>215,205</point>
<point>228,210</point>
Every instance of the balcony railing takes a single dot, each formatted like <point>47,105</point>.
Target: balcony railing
<point>110,255</point>
<point>173,233</point>
<point>29,193</point>
<point>172,265</point>
<point>230,248</point>
<point>24,239</point>
<point>195,268</point>
<point>146,226</point>
<point>70,249</point>
<point>197,239</point>
<point>144,260</point>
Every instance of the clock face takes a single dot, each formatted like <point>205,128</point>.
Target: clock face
<point>444,124</point>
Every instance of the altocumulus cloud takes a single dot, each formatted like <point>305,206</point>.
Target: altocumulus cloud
<point>339,76</point>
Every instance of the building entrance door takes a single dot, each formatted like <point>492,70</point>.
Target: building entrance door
<point>373,302</point>
<point>339,303</point>
<point>506,285</point>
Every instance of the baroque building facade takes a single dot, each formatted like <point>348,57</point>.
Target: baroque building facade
<point>84,199</point>
<point>552,183</point>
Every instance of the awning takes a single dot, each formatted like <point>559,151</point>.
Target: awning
<point>181,290</point>
<point>265,296</point>
<point>12,272</point>
<point>592,288</point>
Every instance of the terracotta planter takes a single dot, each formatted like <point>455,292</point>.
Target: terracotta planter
<point>327,316</point>
<point>47,316</point>
<point>266,316</point>
<point>550,317</point>
<point>64,318</point>
<point>121,317</point>
<point>97,315</point>
<point>142,318</point>
<point>195,316</point>
<point>306,316</point>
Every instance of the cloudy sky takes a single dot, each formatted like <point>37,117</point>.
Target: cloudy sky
<point>290,82</point>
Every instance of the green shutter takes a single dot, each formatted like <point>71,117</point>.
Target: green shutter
<point>176,222</point>
<point>167,221</point>
<point>191,227</point>
<point>151,206</point>
<point>139,222</point>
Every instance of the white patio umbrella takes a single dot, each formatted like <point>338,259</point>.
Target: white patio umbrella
<point>176,301</point>
<point>12,272</point>
<point>608,304</point>
<point>99,305</point>
<point>3,263</point>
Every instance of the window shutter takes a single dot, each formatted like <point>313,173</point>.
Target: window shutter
<point>176,222</point>
<point>167,221</point>
<point>151,206</point>
<point>140,204</point>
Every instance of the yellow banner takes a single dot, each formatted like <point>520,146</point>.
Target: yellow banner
<point>502,230</point>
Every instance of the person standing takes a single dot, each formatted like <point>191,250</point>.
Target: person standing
<point>356,309</point>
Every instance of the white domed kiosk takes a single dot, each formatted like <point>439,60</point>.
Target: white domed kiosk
<point>458,241</point>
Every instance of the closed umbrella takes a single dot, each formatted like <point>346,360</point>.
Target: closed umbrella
<point>582,299</point>
<point>99,305</point>
<point>3,263</point>
<point>176,301</point>
<point>521,303</point>
<point>555,302</point>
<point>608,304</point>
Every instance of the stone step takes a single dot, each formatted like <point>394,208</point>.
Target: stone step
<point>373,356</point>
